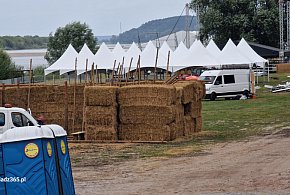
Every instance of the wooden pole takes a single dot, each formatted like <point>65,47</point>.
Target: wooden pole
<point>97,78</point>
<point>127,75</point>
<point>75,85</point>
<point>112,78</point>
<point>139,71</point>
<point>29,88</point>
<point>167,66</point>
<point>136,71</point>
<point>66,107</point>
<point>92,74</point>
<point>156,61</point>
<point>86,77</point>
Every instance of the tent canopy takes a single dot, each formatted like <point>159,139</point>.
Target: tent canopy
<point>104,58</point>
<point>85,55</point>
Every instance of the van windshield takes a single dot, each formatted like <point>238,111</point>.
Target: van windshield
<point>207,79</point>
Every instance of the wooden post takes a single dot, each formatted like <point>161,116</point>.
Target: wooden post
<point>136,71</point>
<point>167,66</point>
<point>66,107</point>
<point>86,77</point>
<point>156,61</point>
<point>127,75</point>
<point>29,88</point>
<point>75,85</point>
<point>112,79</point>
<point>139,71</point>
<point>97,78</point>
<point>92,74</point>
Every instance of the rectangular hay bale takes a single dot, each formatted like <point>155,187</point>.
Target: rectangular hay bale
<point>101,95</point>
<point>100,133</point>
<point>101,116</point>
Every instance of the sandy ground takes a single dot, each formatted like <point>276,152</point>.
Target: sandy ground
<point>258,166</point>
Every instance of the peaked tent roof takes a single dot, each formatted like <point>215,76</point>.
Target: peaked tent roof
<point>213,48</point>
<point>163,55</point>
<point>246,50</point>
<point>65,63</point>
<point>178,54</point>
<point>84,55</point>
<point>148,55</point>
<point>118,53</point>
<point>104,57</point>
<point>133,52</point>
<point>232,55</point>
<point>199,56</point>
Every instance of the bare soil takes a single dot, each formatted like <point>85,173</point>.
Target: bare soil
<point>260,165</point>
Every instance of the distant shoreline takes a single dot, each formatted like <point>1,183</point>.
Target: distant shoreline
<point>27,53</point>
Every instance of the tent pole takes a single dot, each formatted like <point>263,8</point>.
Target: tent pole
<point>167,65</point>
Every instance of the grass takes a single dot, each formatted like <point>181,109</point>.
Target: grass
<point>223,120</point>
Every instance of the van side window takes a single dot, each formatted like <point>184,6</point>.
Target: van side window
<point>2,119</point>
<point>229,79</point>
<point>218,80</point>
<point>19,120</point>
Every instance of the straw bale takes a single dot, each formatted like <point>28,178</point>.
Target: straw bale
<point>101,95</point>
<point>198,124</point>
<point>100,133</point>
<point>179,113</point>
<point>179,94</point>
<point>189,126</point>
<point>140,132</point>
<point>160,115</point>
<point>101,116</point>
<point>161,95</point>
<point>195,109</point>
<point>188,92</point>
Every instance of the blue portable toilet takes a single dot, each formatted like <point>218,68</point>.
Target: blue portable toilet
<point>64,159</point>
<point>28,161</point>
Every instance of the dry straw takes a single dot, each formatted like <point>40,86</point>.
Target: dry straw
<point>101,95</point>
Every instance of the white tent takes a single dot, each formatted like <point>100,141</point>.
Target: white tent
<point>118,53</point>
<point>163,55</point>
<point>247,51</point>
<point>199,56</point>
<point>104,57</point>
<point>179,54</point>
<point>133,52</point>
<point>84,55</point>
<point>213,49</point>
<point>65,63</point>
<point>148,55</point>
<point>231,55</point>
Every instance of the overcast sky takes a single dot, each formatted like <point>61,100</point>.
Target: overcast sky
<point>41,17</point>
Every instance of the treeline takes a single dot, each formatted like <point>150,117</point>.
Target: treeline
<point>26,42</point>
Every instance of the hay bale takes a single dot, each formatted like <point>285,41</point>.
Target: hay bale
<point>101,95</point>
<point>198,124</point>
<point>141,132</point>
<point>179,94</point>
<point>191,91</point>
<point>195,109</point>
<point>100,133</point>
<point>160,95</point>
<point>101,116</point>
<point>189,126</point>
<point>147,114</point>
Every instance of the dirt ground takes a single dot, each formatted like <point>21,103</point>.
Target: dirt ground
<point>260,165</point>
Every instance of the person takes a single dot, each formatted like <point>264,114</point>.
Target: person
<point>40,120</point>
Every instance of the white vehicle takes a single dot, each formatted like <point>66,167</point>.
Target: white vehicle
<point>227,83</point>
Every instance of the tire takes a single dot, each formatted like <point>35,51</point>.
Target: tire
<point>213,96</point>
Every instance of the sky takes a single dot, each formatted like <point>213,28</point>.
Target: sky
<point>104,17</point>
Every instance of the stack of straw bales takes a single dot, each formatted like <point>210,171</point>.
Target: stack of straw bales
<point>147,112</point>
<point>190,95</point>
<point>101,113</point>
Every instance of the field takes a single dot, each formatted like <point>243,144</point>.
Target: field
<point>239,137</point>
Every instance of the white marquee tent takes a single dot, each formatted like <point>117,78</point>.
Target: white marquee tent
<point>247,51</point>
<point>104,58</point>
<point>133,52</point>
<point>118,53</point>
<point>148,56</point>
<point>65,63</point>
<point>84,55</point>
<point>213,48</point>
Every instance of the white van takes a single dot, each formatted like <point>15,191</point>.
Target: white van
<point>227,83</point>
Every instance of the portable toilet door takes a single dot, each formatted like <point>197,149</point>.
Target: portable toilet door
<point>64,159</point>
<point>2,175</point>
<point>25,162</point>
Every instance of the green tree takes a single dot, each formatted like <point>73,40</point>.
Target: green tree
<point>255,20</point>
<point>76,34</point>
<point>8,69</point>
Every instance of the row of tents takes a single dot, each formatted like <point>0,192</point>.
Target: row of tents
<point>163,57</point>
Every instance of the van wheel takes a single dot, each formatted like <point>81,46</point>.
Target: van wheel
<point>212,96</point>
<point>246,93</point>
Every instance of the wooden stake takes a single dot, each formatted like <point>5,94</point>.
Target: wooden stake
<point>74,108</point>
<point>66,107</point>
<point>97,78</point>
<point>112,79</point>
<point>29,88</point>
<point>86,77</point>
<point>167,66</point>
<point>156,61</point>
<point>127,75</point>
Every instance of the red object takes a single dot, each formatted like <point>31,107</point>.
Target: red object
<point>8,106</point>
<point>191,78</point>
